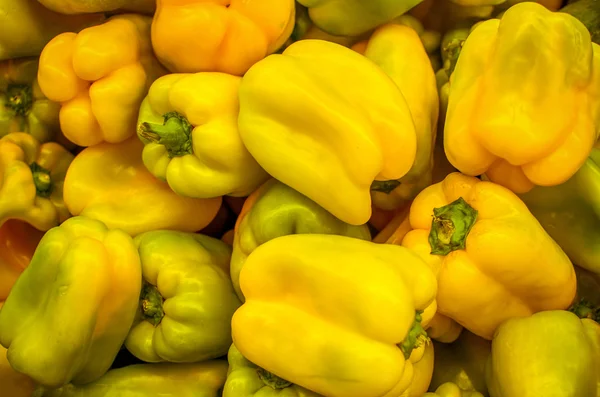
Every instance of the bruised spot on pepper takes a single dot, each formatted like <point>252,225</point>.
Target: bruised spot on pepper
<point>385,186</point>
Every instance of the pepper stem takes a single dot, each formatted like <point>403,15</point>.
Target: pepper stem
<point>451,53</point>
<point>416,336</point>
<point>385,186</point>
<point>272,380</point>
<point>450,227</point>
<point>41,180</point>
<point>151,304</point>
<point>175,134</point>
<point>586,309</point>
<point>20,99</point>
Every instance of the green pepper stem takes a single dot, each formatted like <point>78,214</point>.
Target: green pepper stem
<point>20,99</point>
<point>272,380</point>
<point>151,304</point>
<point>175,134</point>
<point>41,180</point>
<point>415,338</point>
<point>451,52</point>
<point>450,227</point>
<point>385,186</point>
<point>586,309</point>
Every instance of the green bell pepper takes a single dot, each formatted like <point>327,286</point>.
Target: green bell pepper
<point>244,379</point>
<point>142,380</point>
<point>462,363</point>
<point>549,354</point>
<point>187,299</point>
<point>69,312</point>
<point>275,210</point>
<point>23,106</point>
<point>570,213</point>
<point>354,17</point>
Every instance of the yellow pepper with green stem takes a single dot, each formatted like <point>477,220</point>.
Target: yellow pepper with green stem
<point>492,258</point>
<point>188,123</point>
<point>100,76</point>
<point>327,122</point>
<point>336,315</point>
<point>502,118</point>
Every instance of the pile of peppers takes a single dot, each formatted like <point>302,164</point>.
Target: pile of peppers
<point>310,198</point>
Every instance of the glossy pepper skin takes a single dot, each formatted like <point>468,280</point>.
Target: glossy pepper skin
<point>244,379</point>
<point>327,100</point>
<point>23,106</point>
<point>368,317</point>
<point>461,363</point>
<point>18,241</point>
<point>398,50</point>
<point>502,118</point>
<point>188,123</point>
<point>570,213</point>
<point>31,181</point>
<point>492,258</point>
<point>91,277</point>
<point>353,17</point>
<point>187,299</point>
<point>26,27</point>
<point>100,76</point>
<point>90,6</point>
<point>165,379</point>
<point>228,36</point>
<point>109,182</point>
<point>276,210</point>
<point>13,383</point>
<point>556,353</point>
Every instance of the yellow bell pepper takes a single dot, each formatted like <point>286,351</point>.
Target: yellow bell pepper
<point>26,27</point>
<point>109,182</point>
<point>69,312</point>
<point>423,369</point>
<point>89,6</point>
<point>188,123</point>
<point>13,383</point>
<point>100,76</point>
<point>398,50</point>
<point>336,315</point>
<point>450,389</point>
<point>31,181</point>
<point>327,122</point>
<point>18,241</point>
<point>492,258</point>
<point>191,36</point>
<point>511,77</point>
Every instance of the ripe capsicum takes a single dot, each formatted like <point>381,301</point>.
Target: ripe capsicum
<point>63,320</point>
<point>276,210</point>
<point>492,258</point>
<point>334,314</point>
<point>186,301</point>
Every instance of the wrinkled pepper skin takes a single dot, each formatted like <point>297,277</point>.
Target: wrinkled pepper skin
<point>245,379</point>
<point>26,27</point>
<point>18,241</point>
<point>502,118</point>
<point>570,213</point>
<point>327,100</point>
<point>31,181</point>
<point>227,36</point>
<point>556,354</point>
<point>492,258</point>
<point>13,383</point>
<point>450,389</point>
<point>354,17</point>
<point>100,77</point>
<point>90,6</point>
<point>23,106</point>
<point>91,278</point>
<point>187,299</point>
<point>369,296</point>
<point>188,123</point>
<point>109,182</point>
<point>276,210</point>
<point>398,50</point>
<point>141,380</point>
<point>461,363</point>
